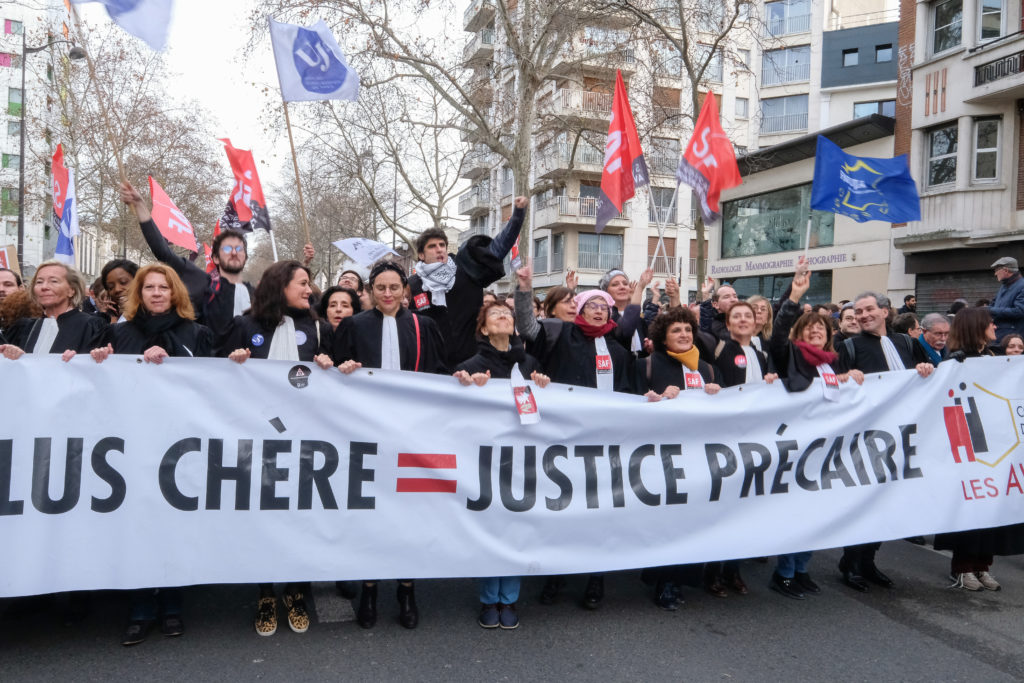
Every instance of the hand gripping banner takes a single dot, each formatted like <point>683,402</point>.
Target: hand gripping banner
<point>204,471</point>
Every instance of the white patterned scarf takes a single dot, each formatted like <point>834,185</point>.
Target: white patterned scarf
<point>438,279</point>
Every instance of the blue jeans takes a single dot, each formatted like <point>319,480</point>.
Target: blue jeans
<point>504,590</point>
<point>148,603</point>
<point>793,563</point>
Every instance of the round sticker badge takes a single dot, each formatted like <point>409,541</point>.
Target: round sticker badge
<point>257,340</point>
<point>300,337</point>
<point>740,361</point>
<point>298,376</point>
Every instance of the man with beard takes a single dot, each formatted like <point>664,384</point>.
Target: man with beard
<point>873,350</point>
<point>217,297</point>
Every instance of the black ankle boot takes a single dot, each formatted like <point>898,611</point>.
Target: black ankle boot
<point>408,615</point>
<point>594,592</point>
<point>366,615</point>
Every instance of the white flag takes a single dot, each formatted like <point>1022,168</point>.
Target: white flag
<point>145,19</point>
<point>310,64</point>
<point>364,251</point>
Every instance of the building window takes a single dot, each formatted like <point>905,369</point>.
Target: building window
<point>788,16</point>
<point>9,201</point>
<point>662,199</point>
<point>851,57</point>
<point>14,128</point>
<point>744,55</point>
<point>540,255</point>
<point>713,71</point>
<point>942,155</point>
<point>557,252</point>
<point>883,53</point>
<point>990,24</point>
<point>947,23</point>
<point>666,261</point>
<point>742,107</point>
<point>783,114</point>
<point>14,101</point>
<point>10,160</point>
<point>789,65</point>
<point>13,28</point>
<point>773,222</point>
<point>599,252</point>
<point>883,107</point>
<point>986,150</point>
<point>774,286</point>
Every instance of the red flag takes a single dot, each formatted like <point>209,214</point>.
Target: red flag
<point>170,220</point>
<point>247,196</point>
<point>60,178</point>
<point>208,253</point>
<point>709,163</point>
<point>624,166</point>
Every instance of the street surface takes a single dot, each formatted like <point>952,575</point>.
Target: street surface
<point>921,631</point>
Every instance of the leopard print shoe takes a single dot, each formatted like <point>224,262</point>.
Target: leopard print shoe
<point>298,617</point>
<point>266,617</point>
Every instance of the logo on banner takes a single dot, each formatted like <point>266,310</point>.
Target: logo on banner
<point>426,484</point>
<point>693,380</point>
<point>982,426</point>
<point>318,68</point>
<point>298,377</point>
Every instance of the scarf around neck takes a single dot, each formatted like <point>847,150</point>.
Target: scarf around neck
<point>154,328</point>
<point>438,279</point>
<point>813,355</point>
<point>687,358</point>
<point>594,331</point>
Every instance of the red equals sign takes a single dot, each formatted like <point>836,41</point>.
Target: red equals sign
<point>432,461</point>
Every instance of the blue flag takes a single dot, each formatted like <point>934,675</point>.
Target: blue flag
<point>863,188</point>
<point>310,63</point>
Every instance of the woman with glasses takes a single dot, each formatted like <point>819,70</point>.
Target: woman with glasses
<point>498,351</point>
<point>583,353</point>
<point>390,337</point>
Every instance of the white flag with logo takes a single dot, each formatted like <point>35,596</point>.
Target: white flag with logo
<point>364,251</point>
<point>145,19</point>
<point>310,64</point>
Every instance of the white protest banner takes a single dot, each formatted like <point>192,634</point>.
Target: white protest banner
<point>364,251</point>
<point>205,471</point>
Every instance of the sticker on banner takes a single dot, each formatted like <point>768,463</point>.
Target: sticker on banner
<point>300,337</point>
<point>257,340</point>
<point>526,403</point>
<point>298,376</point>
<point>421,301</point>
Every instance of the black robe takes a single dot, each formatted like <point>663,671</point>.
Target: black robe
<point>793,369</point>
<point>187,339</point>
<point>247,333</point>
<point>732,371</point>
<point>867,355</point>
<point>570,357</point>
<point>213,301</point>
<point>358,338</point>
<point>76,331</point>
<point>659,371</point>
<point>476,268</point>
<point>500,363</point>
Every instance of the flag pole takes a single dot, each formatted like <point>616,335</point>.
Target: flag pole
<point>807,237</point>
<point>298,180</point>
<point>662,224</point>
<point>273,244</point>
<point>99,96</point>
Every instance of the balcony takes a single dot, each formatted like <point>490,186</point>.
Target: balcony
<point>664,265</point>
<point>1000,77</point>
<point>661,215</point>
<point>784,123</point>
<point>595,57</point>
<point>581,104</point>
<point>661,164</point>
<point>575,211</point>
<point>589,260</point>
<point>479,46</point>
<point>477,162</point>
<point>791,73</point>
<point>476,201</point>
<point>784,26</point>
<point>477,15</point>
<point>554,160</point>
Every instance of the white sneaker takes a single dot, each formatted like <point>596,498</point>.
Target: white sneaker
<point>987,581</point>
<point>967,581</point>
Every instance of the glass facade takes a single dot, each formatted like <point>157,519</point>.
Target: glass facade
<point>820,291</point>
<point>773,222</point>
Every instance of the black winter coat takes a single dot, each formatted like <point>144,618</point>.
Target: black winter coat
<point>793,369</point>
<point>500,363</point>
<point>733,371</point>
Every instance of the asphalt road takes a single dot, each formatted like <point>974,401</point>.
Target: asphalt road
<point>920,631</point>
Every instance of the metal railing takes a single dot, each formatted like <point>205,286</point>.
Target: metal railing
<point>662,164</point>
<point>483,39</point>
<point>663,264</point>
<point>581,207</point>
<point>474,7</point>
<point>773,74</point>
<point>593,261</point>
<point>477,197</point>
<point>693,266</point>
<point>800,23</point>
<point>661,215</point>
<point>784,123</point>
<point>1010,65</point>
<point>838,22</point>
<point>570,99</point>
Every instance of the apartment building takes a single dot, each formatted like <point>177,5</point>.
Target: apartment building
<point>959,112</point>
<point>35,25</point>
<point>781,73</point>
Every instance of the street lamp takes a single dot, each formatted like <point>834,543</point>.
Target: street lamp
<point>74,53</point>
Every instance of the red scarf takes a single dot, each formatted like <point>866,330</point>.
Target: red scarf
<point>814,355</point>
<point>593,331</point>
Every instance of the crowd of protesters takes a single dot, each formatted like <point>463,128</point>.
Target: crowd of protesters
<point>442,320</point>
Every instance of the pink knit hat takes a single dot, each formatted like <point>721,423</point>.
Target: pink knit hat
<point>584,297</point>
